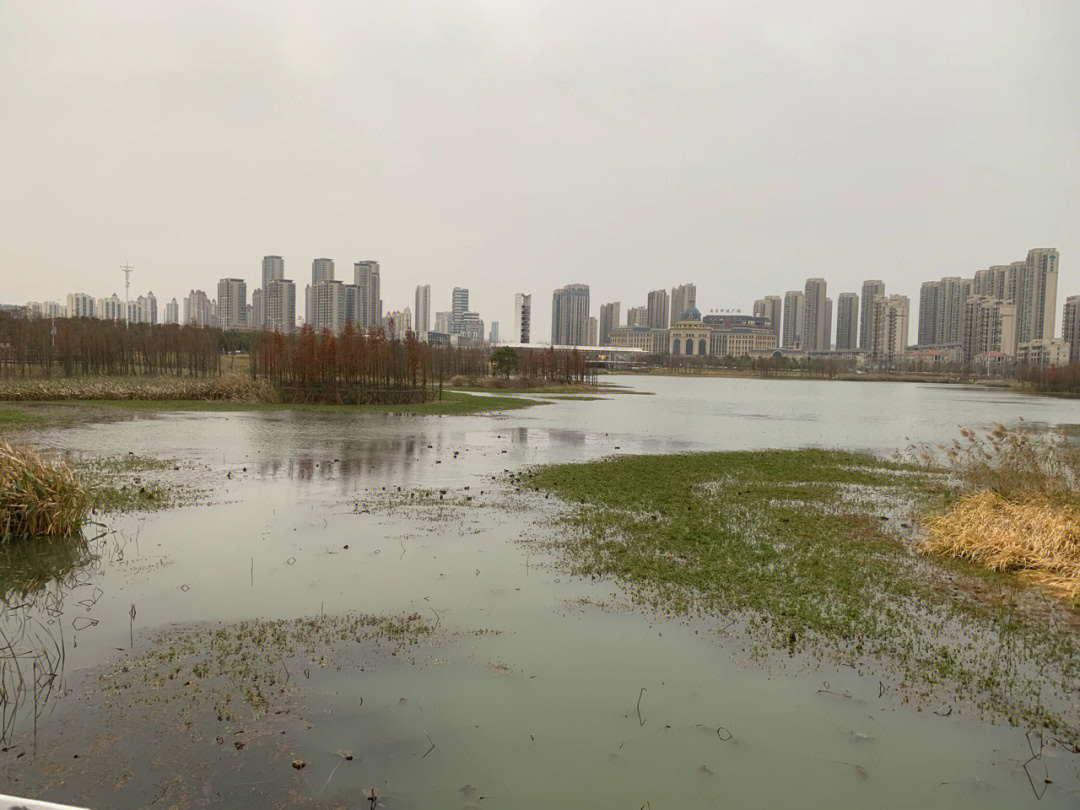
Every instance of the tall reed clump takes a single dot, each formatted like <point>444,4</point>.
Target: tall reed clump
<point>1018,507</point>
<point>38,498</point>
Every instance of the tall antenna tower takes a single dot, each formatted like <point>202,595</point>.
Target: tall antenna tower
<point>126,270</point>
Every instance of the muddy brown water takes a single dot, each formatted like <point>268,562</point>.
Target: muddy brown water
<point>547,708</point>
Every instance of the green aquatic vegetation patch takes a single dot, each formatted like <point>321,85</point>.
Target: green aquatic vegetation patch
<point>132,483</point>
<point>239,670</point>
<point>14,417</point>
<point>814,550</point>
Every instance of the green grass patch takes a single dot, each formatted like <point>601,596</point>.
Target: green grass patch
<point>134,483</point>
<point>452,403</point>
<point>758,531</point>
<point>66,413</point>
<point>14,417</point>
<point>792,542</point>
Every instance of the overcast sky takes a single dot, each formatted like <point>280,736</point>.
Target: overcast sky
<point>519,146</point>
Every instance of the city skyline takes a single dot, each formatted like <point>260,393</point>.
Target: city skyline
<point>933,318</point>
<point>749,154</point>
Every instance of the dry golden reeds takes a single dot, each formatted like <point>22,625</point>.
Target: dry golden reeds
<point>38,498</point>
<point>234,387</point>
<point>1018,507</point>
<point>1037,537</point>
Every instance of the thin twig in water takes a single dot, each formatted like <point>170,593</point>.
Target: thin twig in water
<point>331,776</point>
<point>641,722</point>
<point>430,749</point>
<point>438,618</point>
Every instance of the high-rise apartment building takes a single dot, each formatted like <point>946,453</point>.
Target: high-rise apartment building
<point>366,277</point>
<point>891,326</point>
<point>522,318</point>
<point>322,270</point>
<point>828,323</point>
<point>569,315</point>
<point>928,307</point>
<point>80,305</point>
<point>953,293</point>
<point>328,306</point>
<point>459,305</point>
<point>493,334</point>
<point>273,269</point>
<point>847,322</point>
<point>422,311</point>
<point>471,327</point>
<point>682,298</point>
<point>398,323</point>
<point>658,309</point>
<point>870,290</point>
<point>609,319</point>
<point>989,325</point>
<point>232,303</point>
<point>770,307</point>
<point>353,305</point>
<point>637,317</point>
<point>444,322</point>
<point>199,310</point>
<point>794,319</point>
<point>816,318</point>
<point>1070,327</point>
<point>172,312</point>
<point>258,309</point>
<point>1038,299</point>
<point>999,281</point>
<point>279,306</point>
<point>591,331</point>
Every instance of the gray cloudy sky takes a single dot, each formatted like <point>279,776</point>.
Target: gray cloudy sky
<point>519,146</point>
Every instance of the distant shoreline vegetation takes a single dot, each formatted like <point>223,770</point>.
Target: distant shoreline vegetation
<point>1054,381</point>
<point>85,359</point>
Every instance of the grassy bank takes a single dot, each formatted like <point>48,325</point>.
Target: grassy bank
<point>815,550</point>
<point>15,416</point>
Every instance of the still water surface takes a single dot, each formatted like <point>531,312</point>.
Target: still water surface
<point>546,712</point>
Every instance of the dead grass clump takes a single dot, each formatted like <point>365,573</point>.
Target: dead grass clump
<point>1037,537</point>
<point>229,387</point>
<point>1016,464</point>
<point>37,498</point>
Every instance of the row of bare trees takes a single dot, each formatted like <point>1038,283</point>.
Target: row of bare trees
<point>554,365</point>
<point>364,367</point>
<point>1053,379</point>
<point>352,366</point>
<point>36,347</point>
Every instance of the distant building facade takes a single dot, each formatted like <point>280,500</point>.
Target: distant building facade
<point>794,319</point>
<point>870,290</point>
<point>657,305</point>
<point>847,322</point>
<point>569,315</point>
<point>522,318</point>
<point>609,319</point>
<point>232,303</point>
<point>422,311</point>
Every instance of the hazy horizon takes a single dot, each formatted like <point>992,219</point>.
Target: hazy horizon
<point>521,147</point>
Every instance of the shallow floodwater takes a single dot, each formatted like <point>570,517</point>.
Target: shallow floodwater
<point>566,703</point>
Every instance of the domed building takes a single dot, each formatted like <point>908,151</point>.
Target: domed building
<point>689,336</point>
